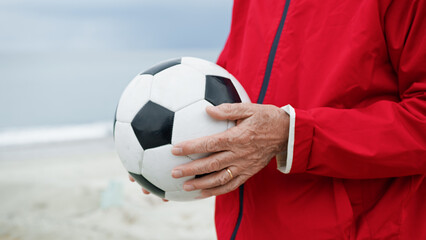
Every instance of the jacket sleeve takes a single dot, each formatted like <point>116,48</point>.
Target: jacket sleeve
<point>385,139</point>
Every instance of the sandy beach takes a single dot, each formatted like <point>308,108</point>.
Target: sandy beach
<point>79,190</point>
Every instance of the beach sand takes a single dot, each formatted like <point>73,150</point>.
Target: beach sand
<point>79,190</point>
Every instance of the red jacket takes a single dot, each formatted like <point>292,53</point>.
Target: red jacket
<point>355,72</point>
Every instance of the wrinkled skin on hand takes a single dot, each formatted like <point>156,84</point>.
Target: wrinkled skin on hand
<point>261,132</point>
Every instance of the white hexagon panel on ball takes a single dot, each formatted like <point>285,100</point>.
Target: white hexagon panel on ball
<point>157,168</point>
<point>128,147</point>
<point>193,122</point>
<point>177,87</point>
<point>135,95</point>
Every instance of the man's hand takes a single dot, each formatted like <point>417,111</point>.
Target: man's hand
<point>238,153</point>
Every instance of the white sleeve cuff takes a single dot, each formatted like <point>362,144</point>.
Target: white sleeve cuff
<point>284,162</point>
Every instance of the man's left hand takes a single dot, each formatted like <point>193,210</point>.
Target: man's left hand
<point>260,133</point>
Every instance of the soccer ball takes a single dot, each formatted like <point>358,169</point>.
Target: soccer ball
<point>166,105</point>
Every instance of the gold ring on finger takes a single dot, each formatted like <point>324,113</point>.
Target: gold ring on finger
<point>230,173</point>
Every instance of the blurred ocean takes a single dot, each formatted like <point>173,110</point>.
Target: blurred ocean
<point>51,97</point>
<point>63,67</point>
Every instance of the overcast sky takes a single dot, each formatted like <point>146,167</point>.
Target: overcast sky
<point>99,25</point>
<point>60,53</point>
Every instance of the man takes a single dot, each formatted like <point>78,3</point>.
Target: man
<point>351,139</point>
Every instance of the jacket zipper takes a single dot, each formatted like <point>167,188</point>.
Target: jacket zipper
<point>271,56</point>
<point>262,94</point>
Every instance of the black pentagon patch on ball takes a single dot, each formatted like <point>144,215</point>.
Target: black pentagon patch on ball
<point>148,185</point>
<point>153,125</point>
<point>161,66</point>
<point>220,90</point>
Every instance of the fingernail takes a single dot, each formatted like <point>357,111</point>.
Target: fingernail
<point>176,150</point>
<point>177,173</point>
<point>188,187</point>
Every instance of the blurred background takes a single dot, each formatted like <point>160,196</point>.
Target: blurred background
<point>63,66</point>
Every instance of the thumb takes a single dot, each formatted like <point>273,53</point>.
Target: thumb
<point>230,111</point>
